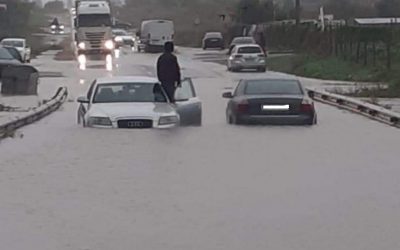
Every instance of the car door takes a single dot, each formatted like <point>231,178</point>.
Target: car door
<point>83,108</point>
<point>188,105</point>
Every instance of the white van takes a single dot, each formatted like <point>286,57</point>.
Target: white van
<point>155,33</point>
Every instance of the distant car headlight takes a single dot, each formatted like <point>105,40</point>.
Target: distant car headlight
<point>62,27</point>
<point>99,121</point>
<point>118,39</point>
<point>109,44</point>
<point>168,120</point>
<point>82,45</point>
<point>53,26</point>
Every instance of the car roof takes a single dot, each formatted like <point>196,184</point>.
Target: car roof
<point>243,37</point>
<point>247,45</point>
<point>272,79</point>
<point>127,79</point>
<point>14,39</point>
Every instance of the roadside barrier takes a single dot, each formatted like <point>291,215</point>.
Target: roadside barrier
<point>35,114</point>
<point>360,107</point>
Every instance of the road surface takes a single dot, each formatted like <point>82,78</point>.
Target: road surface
<point>334,186</point>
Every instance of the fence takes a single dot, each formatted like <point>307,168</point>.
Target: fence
<point>366,45</point>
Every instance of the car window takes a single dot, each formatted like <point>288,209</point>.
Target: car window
<point>239,89</point>
<point>129,92</point>
<point>186,91</point>
<point>12,43</point>
<point>5,55</point>
<point>249,50</point>
<point>273,87</point>
<point>242,40</point>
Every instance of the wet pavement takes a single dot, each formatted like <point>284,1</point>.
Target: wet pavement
<point>332,186</point>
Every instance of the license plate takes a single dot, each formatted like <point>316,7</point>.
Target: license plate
<point>214,40</point>
<point>275,107</point>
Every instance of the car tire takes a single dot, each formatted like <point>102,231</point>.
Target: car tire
<point>262,69</point>
<point>312,121</point>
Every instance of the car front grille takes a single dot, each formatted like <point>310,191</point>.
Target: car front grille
<point>95,38</point>
<point>135,123</point>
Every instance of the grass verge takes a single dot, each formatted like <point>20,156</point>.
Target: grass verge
<point>336,69</point>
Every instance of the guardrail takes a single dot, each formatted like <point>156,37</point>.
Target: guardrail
<point>360,107</point>
<point>35,114</point>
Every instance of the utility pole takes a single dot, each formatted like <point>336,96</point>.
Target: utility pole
<point>298,12</point>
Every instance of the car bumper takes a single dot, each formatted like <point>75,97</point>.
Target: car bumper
<point>247,65</point>
<point>94,51</point>
<point>276,119</point>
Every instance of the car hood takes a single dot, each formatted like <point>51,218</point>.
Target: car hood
<point>130,110</point>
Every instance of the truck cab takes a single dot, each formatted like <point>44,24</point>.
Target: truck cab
<point>94,27</point>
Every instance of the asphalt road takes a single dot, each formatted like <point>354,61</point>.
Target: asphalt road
<point>333,186</point>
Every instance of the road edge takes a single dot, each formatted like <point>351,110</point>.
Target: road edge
<point>37,113</point>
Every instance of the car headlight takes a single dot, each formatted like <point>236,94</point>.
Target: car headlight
<point>82,45</point>
<point>168,120</point>
<point>118,39</point>
<point>99,121</point>
<point>109,44</point>
<point>62,27</point>
<point>53,26</point>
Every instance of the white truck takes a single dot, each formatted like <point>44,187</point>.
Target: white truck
<point>93,26</point>
<point>154,34</point>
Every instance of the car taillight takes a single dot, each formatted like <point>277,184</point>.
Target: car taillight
<point>238,56</point>
<point>307,106</point>
<point>243,107</point>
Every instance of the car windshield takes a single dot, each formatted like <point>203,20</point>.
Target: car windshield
<point>213,35</point>
<point>5,55</point>
<point>243,40</point>
<point>13,43</point>
<point>129,92</point>
<point>273,87</point>
<point>249,50</point>
<point>94,20</point>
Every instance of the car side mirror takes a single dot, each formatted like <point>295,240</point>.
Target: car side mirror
<point>83,99</point>
<point>227,95</point>
<point>311,94</point>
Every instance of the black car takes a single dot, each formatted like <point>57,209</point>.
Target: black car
<point>213,40</point>
<point>6,59</point>
<point>270,101</point>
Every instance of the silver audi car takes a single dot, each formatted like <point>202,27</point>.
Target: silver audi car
<point>247,56</point>
<point>137,102</point>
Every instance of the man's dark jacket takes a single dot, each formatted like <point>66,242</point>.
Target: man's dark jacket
<point>168,70</point>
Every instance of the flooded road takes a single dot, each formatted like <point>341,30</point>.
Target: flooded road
<point>332,186</point>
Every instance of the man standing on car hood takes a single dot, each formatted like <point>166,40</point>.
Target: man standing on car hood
<point>168,71</point>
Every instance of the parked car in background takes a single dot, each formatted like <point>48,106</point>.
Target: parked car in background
<point>6,59</point>
<point>21,45</point>
<point>270,101</point>
<point>241,40</point>
<point>213,40</point>
<point>247,56</point>
<point>122,38</point>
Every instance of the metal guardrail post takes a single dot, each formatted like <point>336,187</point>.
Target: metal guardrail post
<point>35,115</point>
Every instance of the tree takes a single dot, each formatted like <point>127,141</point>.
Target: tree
<point>15,21</point>
<point>56,6</point>
<point>388,8</point>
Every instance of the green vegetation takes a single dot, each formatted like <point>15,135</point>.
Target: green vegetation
<point>332,68</point>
